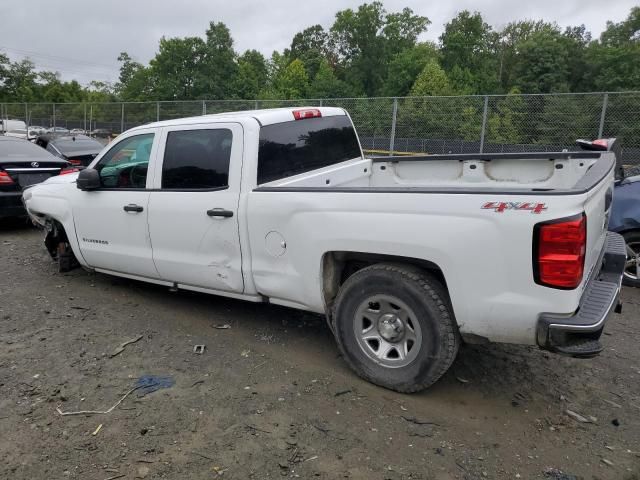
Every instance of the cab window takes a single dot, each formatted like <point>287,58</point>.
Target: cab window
<point>126,164</point>
<point>197,159</point>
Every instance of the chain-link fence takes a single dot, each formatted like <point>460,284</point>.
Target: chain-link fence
<point>460,124</point>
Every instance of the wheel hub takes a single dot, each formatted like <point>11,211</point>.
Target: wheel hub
<point>390,327</point>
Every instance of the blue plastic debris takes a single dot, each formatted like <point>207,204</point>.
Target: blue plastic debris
<point>147,384</point>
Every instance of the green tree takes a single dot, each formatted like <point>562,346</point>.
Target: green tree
<point>366,39</point>
<point>292,81</point>
<point>134,82</point>
<point>468,42</point>
<point>614,60</point>
<point>176,70</point>
<point>405,67</point>
<point>327,85</point>
<point>544,62</point>
<point>218,66</point>
<point>431,81</point>
<point>312,47</point>
<point>251,77</point>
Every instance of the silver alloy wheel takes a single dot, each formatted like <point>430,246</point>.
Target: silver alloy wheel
<point>387,331</point>
<point>632,267</point>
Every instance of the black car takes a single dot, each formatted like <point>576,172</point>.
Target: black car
<point>22,164</point>
<point>79,150</point>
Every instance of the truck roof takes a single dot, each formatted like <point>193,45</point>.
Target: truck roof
<point>267,116</point>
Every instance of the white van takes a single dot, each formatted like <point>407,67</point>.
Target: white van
<point>7,124</point>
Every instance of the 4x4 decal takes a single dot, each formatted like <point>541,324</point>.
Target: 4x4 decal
<point>502,206</point>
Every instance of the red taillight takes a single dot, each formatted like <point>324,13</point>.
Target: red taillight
<point>5,179</point>
<point>68,170</point>
<point>75,161</point>
<point>306,113</point>
<point>602,142</point>
<point>558,252</point>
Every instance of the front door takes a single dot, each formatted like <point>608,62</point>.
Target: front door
<point>193,209</point>
<point>112,222</point>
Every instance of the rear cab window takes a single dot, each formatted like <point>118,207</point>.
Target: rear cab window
<point>294,147</point>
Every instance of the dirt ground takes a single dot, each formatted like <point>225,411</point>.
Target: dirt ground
<point>271,398</point>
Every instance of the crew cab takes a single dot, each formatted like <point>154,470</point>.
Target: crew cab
<point>406,256</point>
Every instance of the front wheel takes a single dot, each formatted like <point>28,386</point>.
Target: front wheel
<point>631,275</point>
<point>395,328</point>
<point>66,259</point>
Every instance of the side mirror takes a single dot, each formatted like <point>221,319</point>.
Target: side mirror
<point>88,179</point>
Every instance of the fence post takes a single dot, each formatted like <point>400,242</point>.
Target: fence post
<point>257,106</point>
<point>157,111</point>
<point>605,102</point>
<point>90,117</point>
<point>392,141</point>
<point>204,107</point>
<point>26,114</point>
<point>85,117</point>
<point>122,118</point>
<point>54,115</point>
<point>320,102</point>
<point>484,122</point>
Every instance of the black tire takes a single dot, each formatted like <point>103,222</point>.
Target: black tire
<point>632,239</point>
<point>428,300</point>
<point>66,259</point>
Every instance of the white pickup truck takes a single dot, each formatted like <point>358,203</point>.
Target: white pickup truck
<point>406,256</point>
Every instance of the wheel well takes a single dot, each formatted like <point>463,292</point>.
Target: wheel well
<point>55,235</point>
<point>338,266</point>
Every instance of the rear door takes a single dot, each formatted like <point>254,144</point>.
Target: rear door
<point>193,209</point>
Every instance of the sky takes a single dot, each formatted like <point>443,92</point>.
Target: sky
<point>82,39</point>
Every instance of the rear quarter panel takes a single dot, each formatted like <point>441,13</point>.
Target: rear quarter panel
<point>485,256</point>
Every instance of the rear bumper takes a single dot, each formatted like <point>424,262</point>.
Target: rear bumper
<point>11,205</point>
<point>578,334</point>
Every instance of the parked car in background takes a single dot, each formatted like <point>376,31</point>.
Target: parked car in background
<point>79,150</point>
<point>57,130</point>
<point>100,133</point>
<point>625,219</point>
<point>18,133</point>
<point>35,132</point>
<point>23,164</point>
<point>77,131</point>
<point>7,124</point>
<point>625,209</point>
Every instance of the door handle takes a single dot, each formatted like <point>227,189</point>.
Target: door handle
<point>220,212</point>
<point>132,207</point>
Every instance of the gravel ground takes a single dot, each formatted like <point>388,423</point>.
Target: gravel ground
<point>271,398</point>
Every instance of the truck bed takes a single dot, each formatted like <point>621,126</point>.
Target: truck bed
<point>511,173</point>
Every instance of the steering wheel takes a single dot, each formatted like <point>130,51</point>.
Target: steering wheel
<point>138,176</point>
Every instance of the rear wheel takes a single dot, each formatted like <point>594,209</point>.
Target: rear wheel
<point>632,268</point>
<point>395,328</point>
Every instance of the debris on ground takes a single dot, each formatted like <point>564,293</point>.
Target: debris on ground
<point>557,474</point>
<point>199,349</point>
<point>120,348</point>
<point>95,432</point>
<point>150,383</point>
<point>97,412</point>
<point>577,417</point>
<point>224,326</point>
